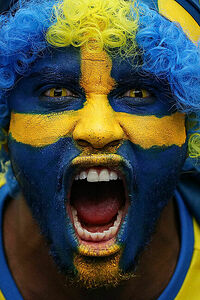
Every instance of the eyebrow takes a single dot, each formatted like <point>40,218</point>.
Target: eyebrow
<point>55,73</point>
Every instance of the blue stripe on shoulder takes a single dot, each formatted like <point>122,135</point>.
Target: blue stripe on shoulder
<point>186,251</point>
<point>7,284</point>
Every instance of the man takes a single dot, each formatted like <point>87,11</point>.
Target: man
<point>99,111</point>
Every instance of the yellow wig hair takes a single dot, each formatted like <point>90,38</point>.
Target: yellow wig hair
<point>96,24</point>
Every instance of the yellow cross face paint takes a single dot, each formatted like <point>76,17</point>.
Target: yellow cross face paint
<point>97,122</point>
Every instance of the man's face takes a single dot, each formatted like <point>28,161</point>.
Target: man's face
<point>97,149</point>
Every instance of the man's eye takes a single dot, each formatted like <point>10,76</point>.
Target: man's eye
<point>137,93</point>
<point>59,92</point>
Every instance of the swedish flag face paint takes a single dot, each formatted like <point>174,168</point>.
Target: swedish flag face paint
<point>97,148</point>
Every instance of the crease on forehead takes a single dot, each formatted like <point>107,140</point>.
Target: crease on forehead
<point>95,72</point>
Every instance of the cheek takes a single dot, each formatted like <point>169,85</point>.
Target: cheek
<point>39,130</point>
<point>39,169</point>
<point>159,168</point>
<point>40,174</point>
<point>155,175</point>
<point>149,131</point>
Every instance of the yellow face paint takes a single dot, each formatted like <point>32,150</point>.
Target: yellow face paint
<point>87,161</point>
<point>97,123</point>
<point>41,130</point>
<point>95,69</point>
<point>109,250</point>
<point>148,131</point>
<point>99,271</point>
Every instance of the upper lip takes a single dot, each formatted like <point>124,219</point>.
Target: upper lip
<point>104,160</point>
<point>113,162</point>
<point>110,161</point>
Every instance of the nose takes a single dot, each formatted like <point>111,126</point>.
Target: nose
<point>97,126</point>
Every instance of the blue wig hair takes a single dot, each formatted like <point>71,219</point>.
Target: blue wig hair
<point>22,41</point>
<point>167,52</point>
<point>169,55</point>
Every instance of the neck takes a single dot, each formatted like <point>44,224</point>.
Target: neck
<point>37,276</point>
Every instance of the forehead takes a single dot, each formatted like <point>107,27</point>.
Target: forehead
<point>58,60</point>
<point>74,62</point>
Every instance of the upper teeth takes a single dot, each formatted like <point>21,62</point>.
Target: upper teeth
<point>93,175</point>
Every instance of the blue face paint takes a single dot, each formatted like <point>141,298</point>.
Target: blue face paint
<point>159,102</point>
<point>28,96</point>
<point>42,174</point>
<point>155,174</point>
<point>45,173</point>
<point>155,171</point>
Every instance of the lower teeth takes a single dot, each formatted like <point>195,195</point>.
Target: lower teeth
<point>84,234</point>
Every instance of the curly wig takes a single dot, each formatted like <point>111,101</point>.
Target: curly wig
<point>28,29</point>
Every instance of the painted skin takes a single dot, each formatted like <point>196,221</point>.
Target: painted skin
<point>99,123</point>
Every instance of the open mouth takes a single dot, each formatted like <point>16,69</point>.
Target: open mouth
<point>97,206</point>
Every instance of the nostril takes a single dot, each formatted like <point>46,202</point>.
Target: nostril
<point>83,143</point>
<point>114,143</point>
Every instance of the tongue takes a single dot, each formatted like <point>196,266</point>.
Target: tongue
<point>93,211</point>
<point>96,204</point>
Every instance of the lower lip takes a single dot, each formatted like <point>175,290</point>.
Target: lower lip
<point>100,246</point>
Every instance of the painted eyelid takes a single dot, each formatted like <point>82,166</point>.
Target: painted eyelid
<point>73,88</point>
<point>67,92</point>
<point>145,93</point>
<point>120,98</point>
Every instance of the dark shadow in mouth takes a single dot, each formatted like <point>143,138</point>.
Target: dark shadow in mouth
<point>97,203</point>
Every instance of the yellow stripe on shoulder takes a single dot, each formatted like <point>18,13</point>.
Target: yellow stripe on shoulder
<point>2,179</point>
<point>175,12</point>
<point>197,235</point>
<point>1,296</point>
<point>190,289</point>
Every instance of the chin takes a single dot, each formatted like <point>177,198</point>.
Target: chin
<point>98,272</point>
